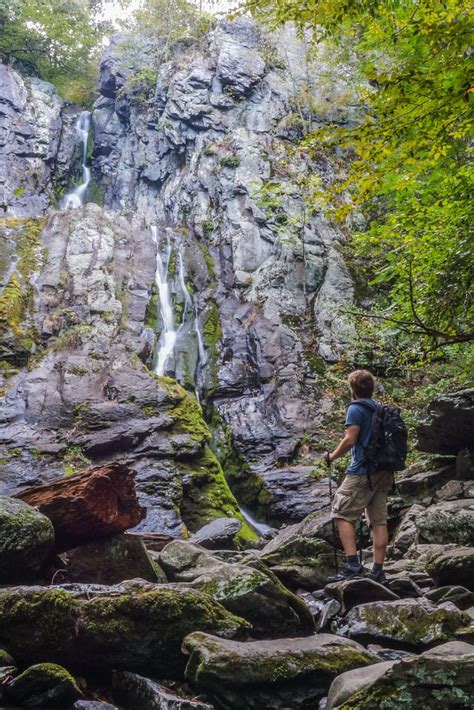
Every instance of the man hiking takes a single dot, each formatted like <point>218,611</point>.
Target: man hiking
<point>362,488</point>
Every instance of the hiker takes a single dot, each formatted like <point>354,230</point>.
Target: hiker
<point>365,486</point>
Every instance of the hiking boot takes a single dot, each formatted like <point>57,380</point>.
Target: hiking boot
<point>378,577</point>
<point>348,572</point>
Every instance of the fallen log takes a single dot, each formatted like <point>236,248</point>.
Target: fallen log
<point>101,501</point>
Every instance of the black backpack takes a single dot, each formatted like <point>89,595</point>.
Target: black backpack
<point>387,448</point>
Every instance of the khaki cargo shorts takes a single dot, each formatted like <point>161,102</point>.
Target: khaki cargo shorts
<point>354,495</point>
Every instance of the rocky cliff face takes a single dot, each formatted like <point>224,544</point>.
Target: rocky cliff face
<point>255,282</point>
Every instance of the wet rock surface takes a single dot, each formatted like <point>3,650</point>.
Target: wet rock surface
<point>450,424</point>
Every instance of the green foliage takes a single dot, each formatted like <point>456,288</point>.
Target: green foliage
<point>57,40</point>
<point>230,161</point>
<point>405,161</point>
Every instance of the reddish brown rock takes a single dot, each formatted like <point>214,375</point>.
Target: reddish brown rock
<point>92,505</point>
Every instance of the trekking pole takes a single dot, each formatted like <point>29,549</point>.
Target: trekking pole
<point>361,525</point>
<point>334,535</point>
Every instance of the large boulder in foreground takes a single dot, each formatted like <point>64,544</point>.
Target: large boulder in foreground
<point>270,674</point>
<point>254,594</point>
<point>45,685</point>
<point>134,626</point>
<point>450,426</point>
<point>88,506</point>
<point>405,623</point>
<point>438,679</point>
<point>26,540</point>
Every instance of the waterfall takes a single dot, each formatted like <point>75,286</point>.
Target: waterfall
<point>167,339</point>
<point>260,528</point>
<point>74,199</point>
<point>170,334</point>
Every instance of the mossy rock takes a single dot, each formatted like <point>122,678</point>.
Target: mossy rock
<point>135,626</point>
<point>302,562</point>
<point>45,685</point>
<point>406,623</point>
<point>207,496</point>
<point>109,561</point>
<point>251,592</point>
<point>453,567</point>
<point>26,540</point>
<point>281,673</point>
<point>438,679</point>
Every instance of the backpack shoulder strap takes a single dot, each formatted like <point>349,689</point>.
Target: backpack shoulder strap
<point>368,405</point>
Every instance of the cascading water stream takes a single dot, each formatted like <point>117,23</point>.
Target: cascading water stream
<point>76,198</point>
<point>167,339</point>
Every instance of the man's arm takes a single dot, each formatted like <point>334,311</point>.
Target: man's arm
<point>350,438</point>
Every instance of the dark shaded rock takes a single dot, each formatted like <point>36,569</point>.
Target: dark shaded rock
<point>415,484</point>
<point>134,691</point>
<point>275,674</point>
<point>465,465</point>
<point>450,427</point>
<point>110,561</point>
<point>404,587</point>
<point>353,592</point>
<point>94,504</point>
<point>26,540</point>
<point>440,678</point>
<point>330,610</point>
<point>459,596</point>
<point>45,685</point>
<point>406,623</point>
<point>291,494</point>
<point>131,627</point>
<point>254,594</point>
<point>217,534</point>
<point>455,566</point>
<point>92,705</point>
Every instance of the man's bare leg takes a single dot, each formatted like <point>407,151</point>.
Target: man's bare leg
<point>348,536</point>
<point>380,542</point>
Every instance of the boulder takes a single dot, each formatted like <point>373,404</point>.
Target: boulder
<point>135,691</point>
<point>450,427</point>
<point>414,484</point>
<point>91,505</point>
<point>218,533</point>
<point>438,679</point>
<point>45,685</point>
<point>404,586</point>
<point>447,522</point>
<point>406,532</point>
<point>110,561</point>
<point>7,668</point>
<point>270,674</point>
<point>465,465</point>
<point>459,596</point>
<point>134,626</point>
<point>26,540</point>
<point>405,623</point>
<point>453,566</point>
<point>254,594</point>
<point>353,592</point>
<point>93,705</point>
<point>301,562</point>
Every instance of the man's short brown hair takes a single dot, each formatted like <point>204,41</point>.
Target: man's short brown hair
<point>362,383</point>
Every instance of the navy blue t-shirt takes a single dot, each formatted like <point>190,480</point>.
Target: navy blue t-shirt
<point>360,416</point>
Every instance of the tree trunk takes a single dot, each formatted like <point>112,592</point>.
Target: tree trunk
<point>83,508</point>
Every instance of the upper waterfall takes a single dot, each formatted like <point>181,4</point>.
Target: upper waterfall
<point>76,197</point>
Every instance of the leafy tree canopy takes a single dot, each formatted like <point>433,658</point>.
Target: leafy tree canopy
<point>57,40</point>
<point>406,161</point>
